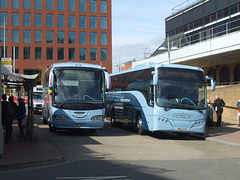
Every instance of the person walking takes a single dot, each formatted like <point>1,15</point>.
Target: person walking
<point>218,105</point>
<point>238,106</point>
<point>21,114</point>
<point>210,111</point>
<point>11,115</point>
<point>4,109</point>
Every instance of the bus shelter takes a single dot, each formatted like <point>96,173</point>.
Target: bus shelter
<point>18,81</point>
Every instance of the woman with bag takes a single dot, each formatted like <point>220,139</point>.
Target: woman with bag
<point>238,106</point>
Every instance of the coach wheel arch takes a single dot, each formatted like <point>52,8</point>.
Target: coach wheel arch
<point>139,128</point>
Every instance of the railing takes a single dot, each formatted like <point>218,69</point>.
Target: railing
<point>184,5</point>
<point>205,33</point>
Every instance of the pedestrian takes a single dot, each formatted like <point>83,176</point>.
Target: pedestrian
<point>21,114</point>
<point>238,106</point>
<point>4,109</point>
<point>218,106</point>
<point>210,111</point>
<point>11,115</point>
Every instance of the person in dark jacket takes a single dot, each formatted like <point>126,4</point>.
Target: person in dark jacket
<point>4,109</point>
<point>11,115</point>
<point>21,115</point>
<point>218,106</point>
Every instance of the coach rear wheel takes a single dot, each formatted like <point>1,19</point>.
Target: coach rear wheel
<point>113,120</point>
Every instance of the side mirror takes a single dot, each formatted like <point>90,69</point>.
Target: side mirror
<point>213,82</point>
<point>107,80</point>
<point>155,78</point>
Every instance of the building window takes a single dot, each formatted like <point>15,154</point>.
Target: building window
<point>38,4</point>
<point>82,21</point>
<point>27,19</point>
<point>15,19</point>
<point>237,73</point>
<point>38,20</point>
<point>3,17</point>
<point>82,5</point>
<point>38,53</point>
<point>71,21</point>
<point>26,36</point>
<point>93,38</point>
<point>49,20</point>
<point>15,36</point>
<point>93,6</point>
<point>71,54</point>
<point>38,36</point>
<point>93,54</point>
<point>71,5</point>
<point>49,37</point>
<point>234,9</point>
<point>60,20</point>
<point>71,37</point>
<point>15,4</point>
<point>103,38</point>
<point>60,53</point>
<point>49,4</point>
<point>103,54</point>
<point>82,37</point>
<point>16,52</point>
<point>27,4</point>
<point>2,35</point>
<point>103,6</point>
<point>60,36</point>
<point>3,3</point>
<point>2,51</point>
<point>26,53</point>
<point>103,22</point>
<point>93,22</point>
<point>49,53</point>
<point>82,54</point>
<point>60,5</point>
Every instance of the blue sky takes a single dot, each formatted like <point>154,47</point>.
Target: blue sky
<point>139,25</point>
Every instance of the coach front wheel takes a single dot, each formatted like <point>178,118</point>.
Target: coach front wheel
<point>113,120</point>
<point>139,125</point>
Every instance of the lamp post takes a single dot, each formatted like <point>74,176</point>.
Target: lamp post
<point>1,127</point>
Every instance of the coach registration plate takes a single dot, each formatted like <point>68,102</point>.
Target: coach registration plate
<point>80,124</point>
<point>181,129</point>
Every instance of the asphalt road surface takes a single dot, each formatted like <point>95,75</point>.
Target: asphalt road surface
<point>120,153</point>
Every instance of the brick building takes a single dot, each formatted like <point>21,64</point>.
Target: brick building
<point>50,31</point>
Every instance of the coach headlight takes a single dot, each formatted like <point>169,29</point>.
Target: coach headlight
<point>98,117</point>
<point>59,117</point>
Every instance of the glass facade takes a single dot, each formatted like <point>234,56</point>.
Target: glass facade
<point>82,5</point>
<point>38,4</point>
<point>49,53</point>
<point>60,5</point>
<point>60,36</point>
<point>15,36</point>
<point>93,22</point>
<point>26,36</point>
<point>82,37</point>
<point>93,54</point>
<point>38,20</point>
<point>71,37</point>
<point>49,5</point>
<point>49,20</point>
<point>71,5</point>
<point>38,36</point>
<point>49,37</point>
<point>71,21</point>
<point>26,53</point>
<point>15,19</point>
<point>38,53</point>
<point>60,53</point>
<point>82,54</point>
<point>27,19</point>
<point>15,4</point>
<point>71,54</point>
<point>60,20</point>
<point>26,4</point>
<point>82,21</point>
